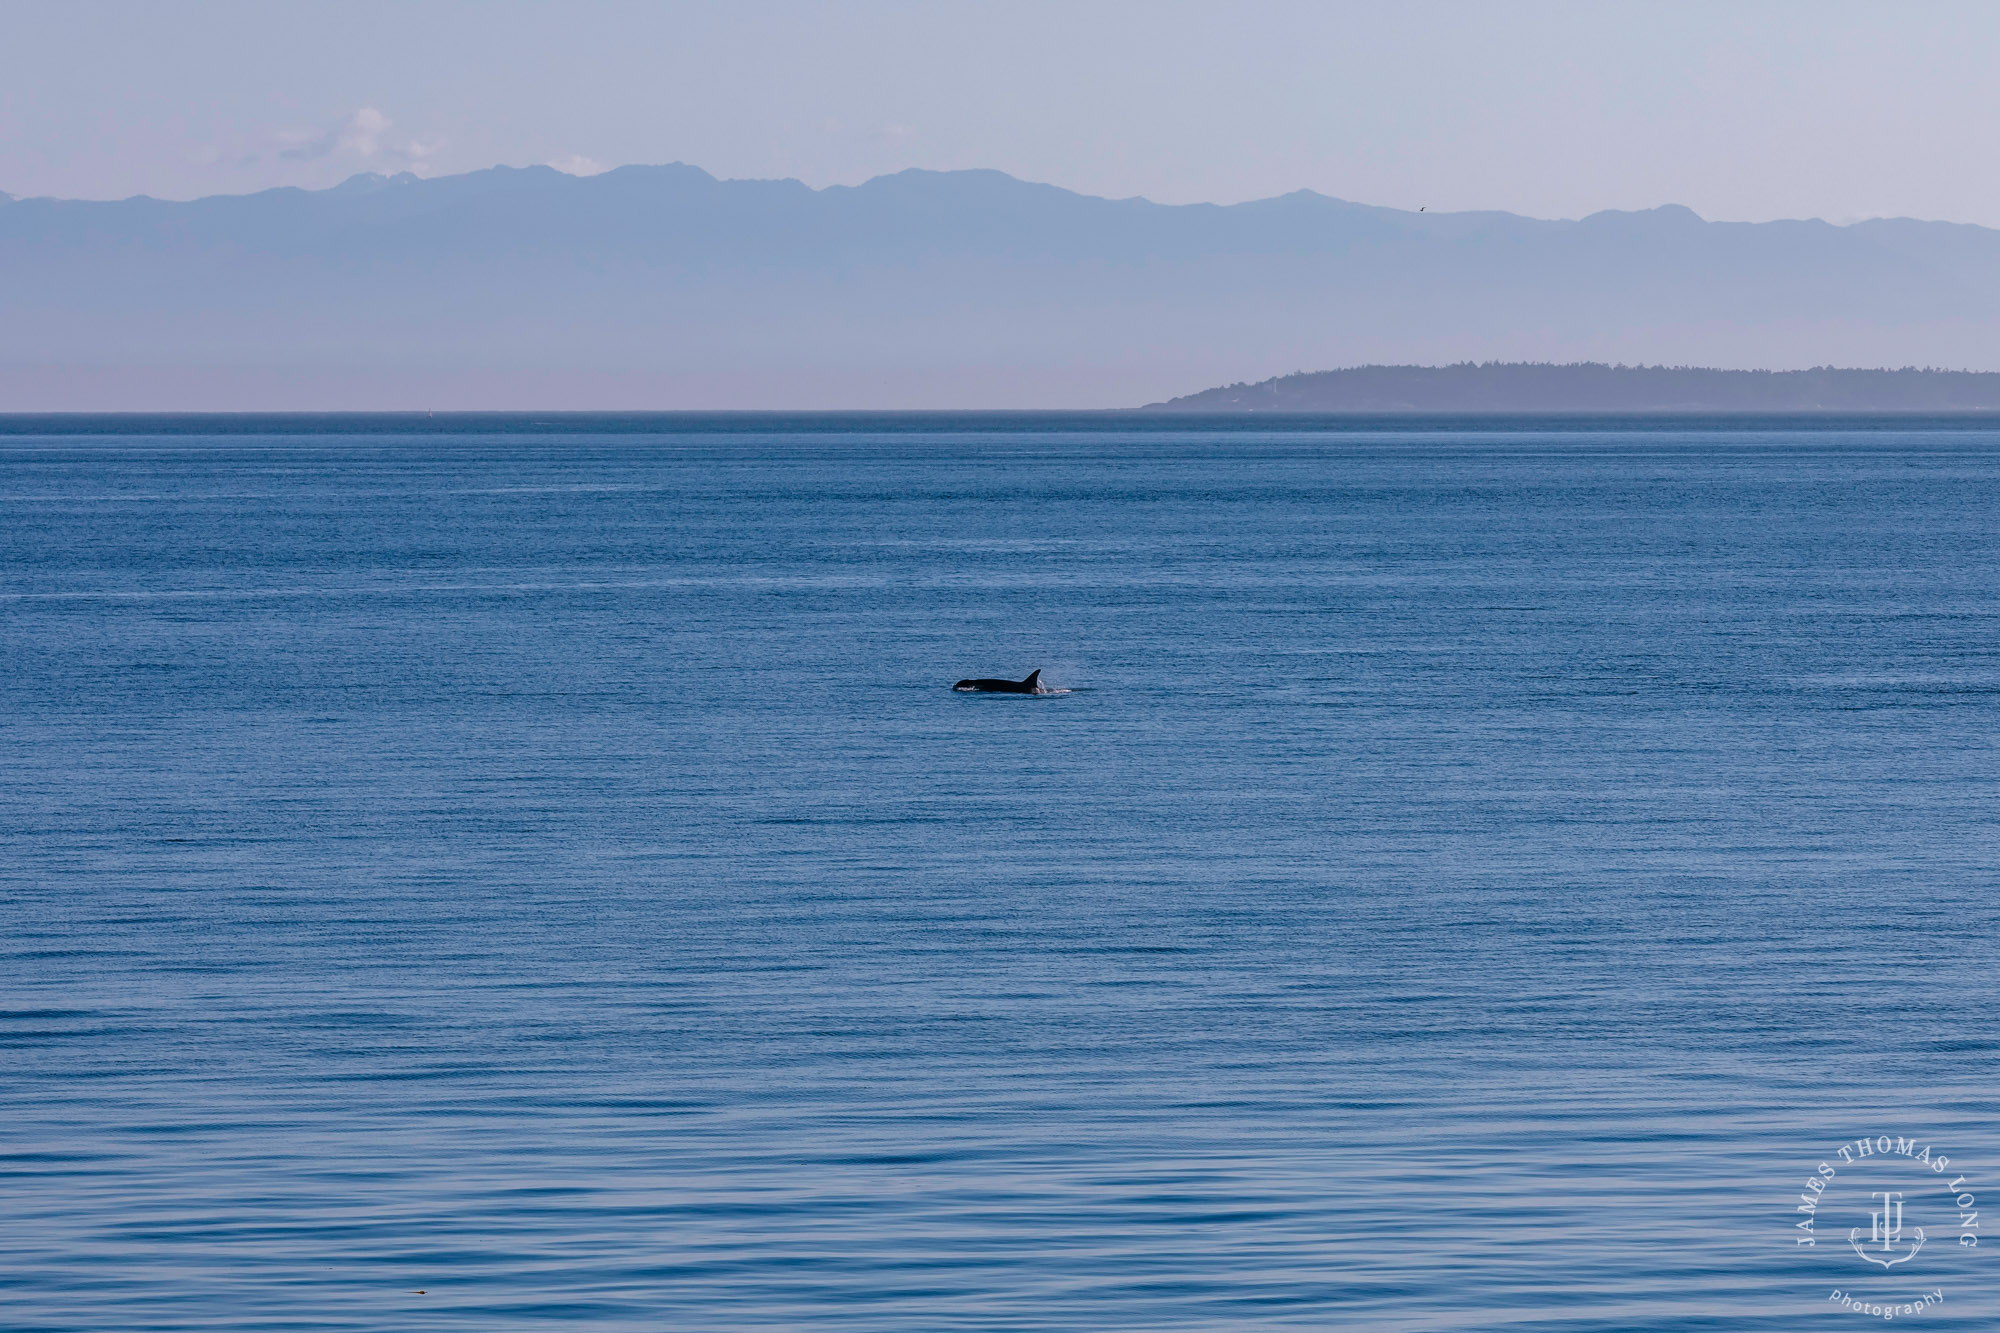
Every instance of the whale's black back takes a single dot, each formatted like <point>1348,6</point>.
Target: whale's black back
<point>1032,685</point>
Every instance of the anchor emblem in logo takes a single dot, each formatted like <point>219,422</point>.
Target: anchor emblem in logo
<point>1885,1228</point>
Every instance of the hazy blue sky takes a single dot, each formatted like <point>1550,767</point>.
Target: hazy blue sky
<point>1739,110</point>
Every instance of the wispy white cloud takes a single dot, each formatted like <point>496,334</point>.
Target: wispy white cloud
<point>576,164</point>
<point>366,137</point>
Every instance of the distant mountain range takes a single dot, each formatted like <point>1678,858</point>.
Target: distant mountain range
<point>1590,386</point>
<point>663,287</point>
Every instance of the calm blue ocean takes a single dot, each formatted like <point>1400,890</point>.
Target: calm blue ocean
<point>506,873</point>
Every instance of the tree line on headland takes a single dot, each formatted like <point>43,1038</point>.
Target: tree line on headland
<point>1593,386</point>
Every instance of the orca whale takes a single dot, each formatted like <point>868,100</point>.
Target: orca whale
<point>1032,685</point>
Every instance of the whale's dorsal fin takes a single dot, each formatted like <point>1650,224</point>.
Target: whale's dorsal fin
<point>1034,680</point>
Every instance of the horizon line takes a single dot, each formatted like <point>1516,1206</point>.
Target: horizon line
<point>1148,412</point>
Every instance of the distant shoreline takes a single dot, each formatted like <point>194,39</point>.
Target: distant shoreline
<point>1596,387</point>
<point>948,421</point>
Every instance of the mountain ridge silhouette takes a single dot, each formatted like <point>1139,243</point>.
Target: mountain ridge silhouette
<point>665,287</point>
